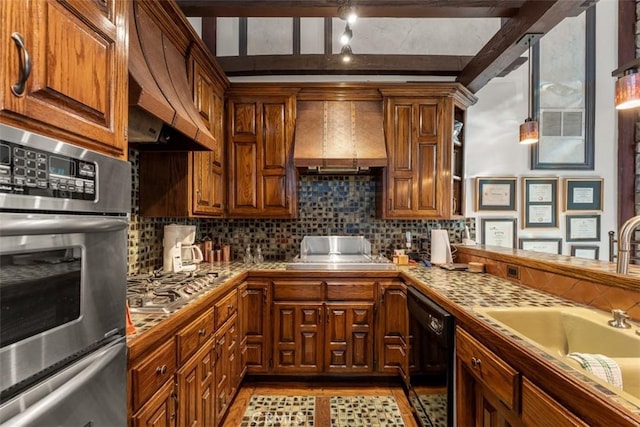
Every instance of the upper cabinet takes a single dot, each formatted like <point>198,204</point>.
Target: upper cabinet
<point>261,174</point>
<point>64,70</point>
<point>425,173</point>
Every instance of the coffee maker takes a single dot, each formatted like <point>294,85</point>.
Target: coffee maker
<point>178,240</point>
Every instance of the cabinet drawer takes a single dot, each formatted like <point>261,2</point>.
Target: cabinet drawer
<point>298,290</point>
<point>350,290</point>
<point>191,337</point>
<point>538,408</point>
<point>488,368</point>
<point>152,372</point>
<point>225,307</point>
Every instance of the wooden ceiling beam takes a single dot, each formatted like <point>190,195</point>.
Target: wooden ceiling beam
<point>363,64</point>
<point>365,8</point>
<point>535,16</point>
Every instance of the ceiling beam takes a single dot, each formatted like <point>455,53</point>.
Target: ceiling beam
<point>535,16</point>
<point>364,64</point>
<point>365,8</point>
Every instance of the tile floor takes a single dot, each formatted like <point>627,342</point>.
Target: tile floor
<point>321,404</point>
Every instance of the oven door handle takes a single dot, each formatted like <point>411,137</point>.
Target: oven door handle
<point>89,367</point>
<point>34,224</point>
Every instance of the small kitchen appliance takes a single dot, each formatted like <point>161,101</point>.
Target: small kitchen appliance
<point>178,246</point>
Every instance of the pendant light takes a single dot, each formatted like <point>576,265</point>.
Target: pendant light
<point>628,90</point>
<point>529,129</point>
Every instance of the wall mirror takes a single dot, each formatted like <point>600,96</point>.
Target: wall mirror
<point>563,63</point>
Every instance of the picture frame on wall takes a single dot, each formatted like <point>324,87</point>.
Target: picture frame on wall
<point>499,232</point>
<point>540,202</point>
<point>583,228</point>
<point>583,194</point>
<point>548,245</point>
<point>585,251</point>
<point>496,194</point>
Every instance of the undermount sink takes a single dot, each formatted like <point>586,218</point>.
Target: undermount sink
<point>563,330</point>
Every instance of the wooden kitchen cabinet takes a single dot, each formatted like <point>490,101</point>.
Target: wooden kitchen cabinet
<point>195,380</point>
<point>348,345</point>
<point>76,89</point>
<point>393,329</point>
<point>488,385</point>
<point>425,176</point>
<point>254,302</point>
<point>540,409</point>
<point>226,366</point>
<point>160,410</point>
<point>261,174</point>
<point>298,332</point>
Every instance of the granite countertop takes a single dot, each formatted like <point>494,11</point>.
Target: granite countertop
<point>460,290</point>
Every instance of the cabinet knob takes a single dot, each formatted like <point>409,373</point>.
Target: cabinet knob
<point>202,332</point>
<point>19,87</point>
<point>161,370</point>
<point>476,363</point>
<point>230,307</point>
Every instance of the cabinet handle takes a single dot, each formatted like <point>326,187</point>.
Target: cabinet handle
<point>390,204</point>
<point>476,363</point>
<point>18,89</point>
<point>202,332</point>
<point>319,315</point>
<point>199,194</point>
<point>161,370</point>
<point>230,307</point>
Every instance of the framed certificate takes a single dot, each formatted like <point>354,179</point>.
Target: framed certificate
<point>584,251</point>
<point>540,202</point>
<point>583,228</point>
<point>548,245</point>
<point>583,194</point>
<point>496,194</point>
<point>499,232</point>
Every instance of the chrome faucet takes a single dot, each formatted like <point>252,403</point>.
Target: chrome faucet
<point>624,243</point>
<point>620,318</point>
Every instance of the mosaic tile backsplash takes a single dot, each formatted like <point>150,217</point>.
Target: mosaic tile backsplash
<point>327,205</point>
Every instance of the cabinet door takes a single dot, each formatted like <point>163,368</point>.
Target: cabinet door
<point>348,343</point>
<point>254,349</point>
<point>297,341</point>
<point>208,166</point>
<point>261,173</point>
<point>159,411</point>
<point>195,379</point>
<point>226,378</point>
<point>540,409</point>
<point>78,55</point>
<point>393,329</point>
<point>418,176</point>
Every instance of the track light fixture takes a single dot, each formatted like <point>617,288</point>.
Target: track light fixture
<point>346,53</point>
<point>345,38</point>
<point>347,13</point>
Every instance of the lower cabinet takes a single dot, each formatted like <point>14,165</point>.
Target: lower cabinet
<point>254,301</point>
<point>393,329</point>
<point>540,409</point>
<point>298,331</point>
<point>348,344</point>
<point>190,379</point>
<point>160,410</point>
<point>195,388</point>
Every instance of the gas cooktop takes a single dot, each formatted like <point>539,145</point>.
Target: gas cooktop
<point>167,292</point>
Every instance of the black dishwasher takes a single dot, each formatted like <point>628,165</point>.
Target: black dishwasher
<point>431,361</point>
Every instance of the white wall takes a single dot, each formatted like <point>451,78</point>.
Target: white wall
<point>492,147</point>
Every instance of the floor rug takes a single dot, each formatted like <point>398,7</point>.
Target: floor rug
<point>369,411</point>
<point>279,411</point>
<point>436,406</point>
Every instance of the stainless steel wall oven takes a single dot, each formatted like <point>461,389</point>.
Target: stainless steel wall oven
<point>431,370</point>
<point>64,216</point>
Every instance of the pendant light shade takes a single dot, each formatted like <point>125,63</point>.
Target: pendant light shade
<point>529,129</point>
<point>529,132</point>
<point>628,90</point>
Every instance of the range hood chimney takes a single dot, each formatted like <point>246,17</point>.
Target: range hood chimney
<point>339,137</point>
<point>162,115</point>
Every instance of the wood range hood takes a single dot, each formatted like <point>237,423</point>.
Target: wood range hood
<point>339,137</point>
<point>162,114</point>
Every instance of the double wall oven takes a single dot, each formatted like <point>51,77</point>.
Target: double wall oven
<point>63,245</point>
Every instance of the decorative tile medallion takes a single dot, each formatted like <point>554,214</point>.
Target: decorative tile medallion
<point>369,411</point>
<point>280,411</point>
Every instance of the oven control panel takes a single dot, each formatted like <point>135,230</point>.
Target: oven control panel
<point>34,172</point>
